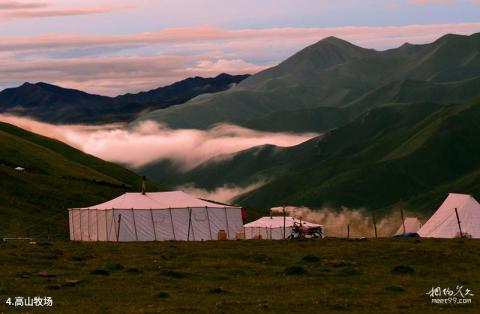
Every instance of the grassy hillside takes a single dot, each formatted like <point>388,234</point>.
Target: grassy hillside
<point>409,154</point>
<point>327,276</point>
<point>57,176</point>
<point>336,74</point>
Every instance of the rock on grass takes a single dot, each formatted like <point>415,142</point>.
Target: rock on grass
<point>218,291</point>
<point>163,295</point>
<point>311,259</point>
<point>173,274</point>
<point>294,270</point>
<point>101,272</point>
<point>403,270</point>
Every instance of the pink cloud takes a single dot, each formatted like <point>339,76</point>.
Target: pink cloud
<point>17,9</point>
<point>184,52</point>
<point>431,1</point>
<point>15,5</point>
<point>376,37</point>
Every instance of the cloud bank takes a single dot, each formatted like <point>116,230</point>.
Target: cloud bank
<point>151,141</point>
<point>116,64</point>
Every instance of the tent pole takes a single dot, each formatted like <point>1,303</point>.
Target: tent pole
<point>81,230</point>
<point>284,223</point>
<point>96,211</point>
<point>134,225</point>
<point>189,223</point>
<point>209,226</point>
<point>88,224</point>
<point>403,220</point>
<point>348,232</point>
<point>112,225</point>
<point>106,226</point>
<point>119,222</point>
<point>375,226</point>
<point>153,224</point>
<point>72,223</point>
<point>173,228</point>
<point>459,225</point>
<point>226,220</point>
<point>193,228</point>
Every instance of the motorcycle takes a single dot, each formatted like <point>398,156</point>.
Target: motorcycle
<point>301,232</point>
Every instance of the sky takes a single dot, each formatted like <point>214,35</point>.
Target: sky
<point>114,47</point>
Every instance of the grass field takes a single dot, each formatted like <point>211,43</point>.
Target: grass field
<point>331,275</point>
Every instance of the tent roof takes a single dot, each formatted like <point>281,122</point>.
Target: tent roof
<point>412,224</point>
<point>443,224</point>
<point>277,222</point>
<point>156,200</point>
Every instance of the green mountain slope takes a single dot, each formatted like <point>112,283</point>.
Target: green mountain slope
<point>56,177</point>
<point>335,74</point>
<point>401,154</point>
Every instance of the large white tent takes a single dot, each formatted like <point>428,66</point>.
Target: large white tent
<point>412,225</point>
<point>272,228</point>
<point>154,217</point>
<point>444,224</point>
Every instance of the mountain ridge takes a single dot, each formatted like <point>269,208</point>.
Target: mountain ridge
<point>55,104</point>
<point>336,77</point>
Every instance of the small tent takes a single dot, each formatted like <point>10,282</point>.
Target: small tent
<point>272,228</point>
<point>154,217</point>
<point>444,223</point>
<point>412,225</point>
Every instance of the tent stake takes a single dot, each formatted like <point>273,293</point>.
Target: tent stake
<point>459,225</point>
<point>403,220</point>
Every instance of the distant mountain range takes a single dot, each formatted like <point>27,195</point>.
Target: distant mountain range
<point>50,103</point>
<point>333,82</point>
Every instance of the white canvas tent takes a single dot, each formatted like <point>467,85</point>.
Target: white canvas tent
<point>154,217</point>
<point>444,224</point>
<point>272,227</point>
<point>412,225</point>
